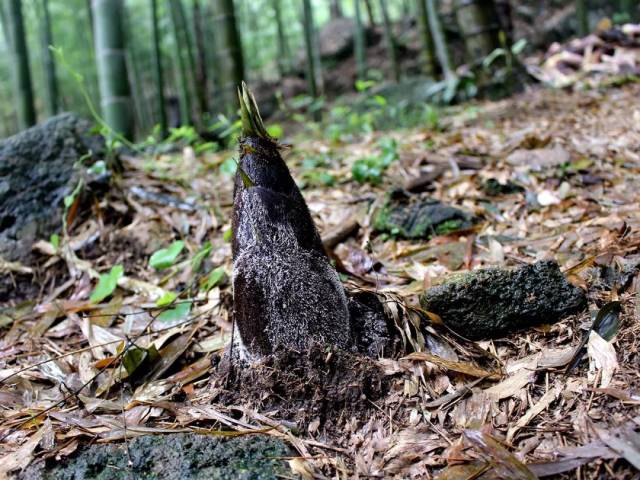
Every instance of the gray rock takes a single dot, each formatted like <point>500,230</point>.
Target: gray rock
<point>413,216</point>
<point>494,302</point>
<point>36,173</point>
<point>172,457</point>
<point>336,39</point>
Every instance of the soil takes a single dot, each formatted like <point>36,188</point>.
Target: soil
<point>324,385</point>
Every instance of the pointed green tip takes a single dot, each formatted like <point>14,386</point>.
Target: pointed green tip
<point>250,115</point>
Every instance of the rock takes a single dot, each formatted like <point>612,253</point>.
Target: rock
<point>412,216</point>
<point>174,456</point>
<point>494,302</point>
<point>36,173</point>
<point>336,39</point>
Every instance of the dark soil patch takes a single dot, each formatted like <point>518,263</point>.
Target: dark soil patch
<point>327,385</point>
<point>115,249</point>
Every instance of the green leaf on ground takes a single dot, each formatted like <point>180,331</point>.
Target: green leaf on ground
<point>107,284</point>
<point>166,299</point>
<point>198,258</point>
<point>174,314</point>
<point>214,278</point>
<point>165,257</point>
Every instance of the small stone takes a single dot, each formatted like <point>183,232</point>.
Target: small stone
<point>547,198</point>
<point>493,302</point>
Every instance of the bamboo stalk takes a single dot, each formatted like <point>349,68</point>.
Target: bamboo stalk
<point>157,69</point>
<point>360,43</point>
<point>390,41</point>
<point>49,66</point>
<point>22,74</point>
<point>115,96</point>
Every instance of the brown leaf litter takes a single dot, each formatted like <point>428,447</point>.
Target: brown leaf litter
<point>451,409</point>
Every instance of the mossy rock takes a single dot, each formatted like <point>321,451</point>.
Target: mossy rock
<point>411,216</point>
<point>183,456</point>
<point>494,302</point>
<point>36,173</point>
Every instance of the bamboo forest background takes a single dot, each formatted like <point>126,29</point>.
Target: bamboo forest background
<point>186,43</point>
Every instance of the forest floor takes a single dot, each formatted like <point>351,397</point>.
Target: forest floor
<point>475,410</point>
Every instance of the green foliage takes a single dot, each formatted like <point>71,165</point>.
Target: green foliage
<point>371,169</point>
<point>54,239</point>
<point>137,359</point>
<point>186,134</point>
<point>166,257</point>
<point>505,52</point>
<point>275,130</point>
<point>214,278</point>
<point>448,226</point>
<point>376,112</point>
<point>107,283</point>
<point>198,258</point>
<point>112,138</point>
<point>226,128</point>
<point>178,313</point>
<point>166,299</point>
<point>314,172</point>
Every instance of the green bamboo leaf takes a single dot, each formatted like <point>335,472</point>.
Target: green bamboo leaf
<point>198,258</point>
<point>107,284</point>
<point>214,278</point>
<point>136,359</point>
<point>180,312</point>
<point>133,358</point>
<point>165,257</point>
<point>166,299</point>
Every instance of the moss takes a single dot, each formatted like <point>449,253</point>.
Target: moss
<point>449,226</point>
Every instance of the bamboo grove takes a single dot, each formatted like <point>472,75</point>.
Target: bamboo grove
<point>148,65</point>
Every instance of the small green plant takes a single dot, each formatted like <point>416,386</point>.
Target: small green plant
<point>226,128</point>
<point>185,134</point>
<point>314,172</point>
<point>113,139</point>
<point>107,284</point>
<point>509,54</point>
<point>371,169</point>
